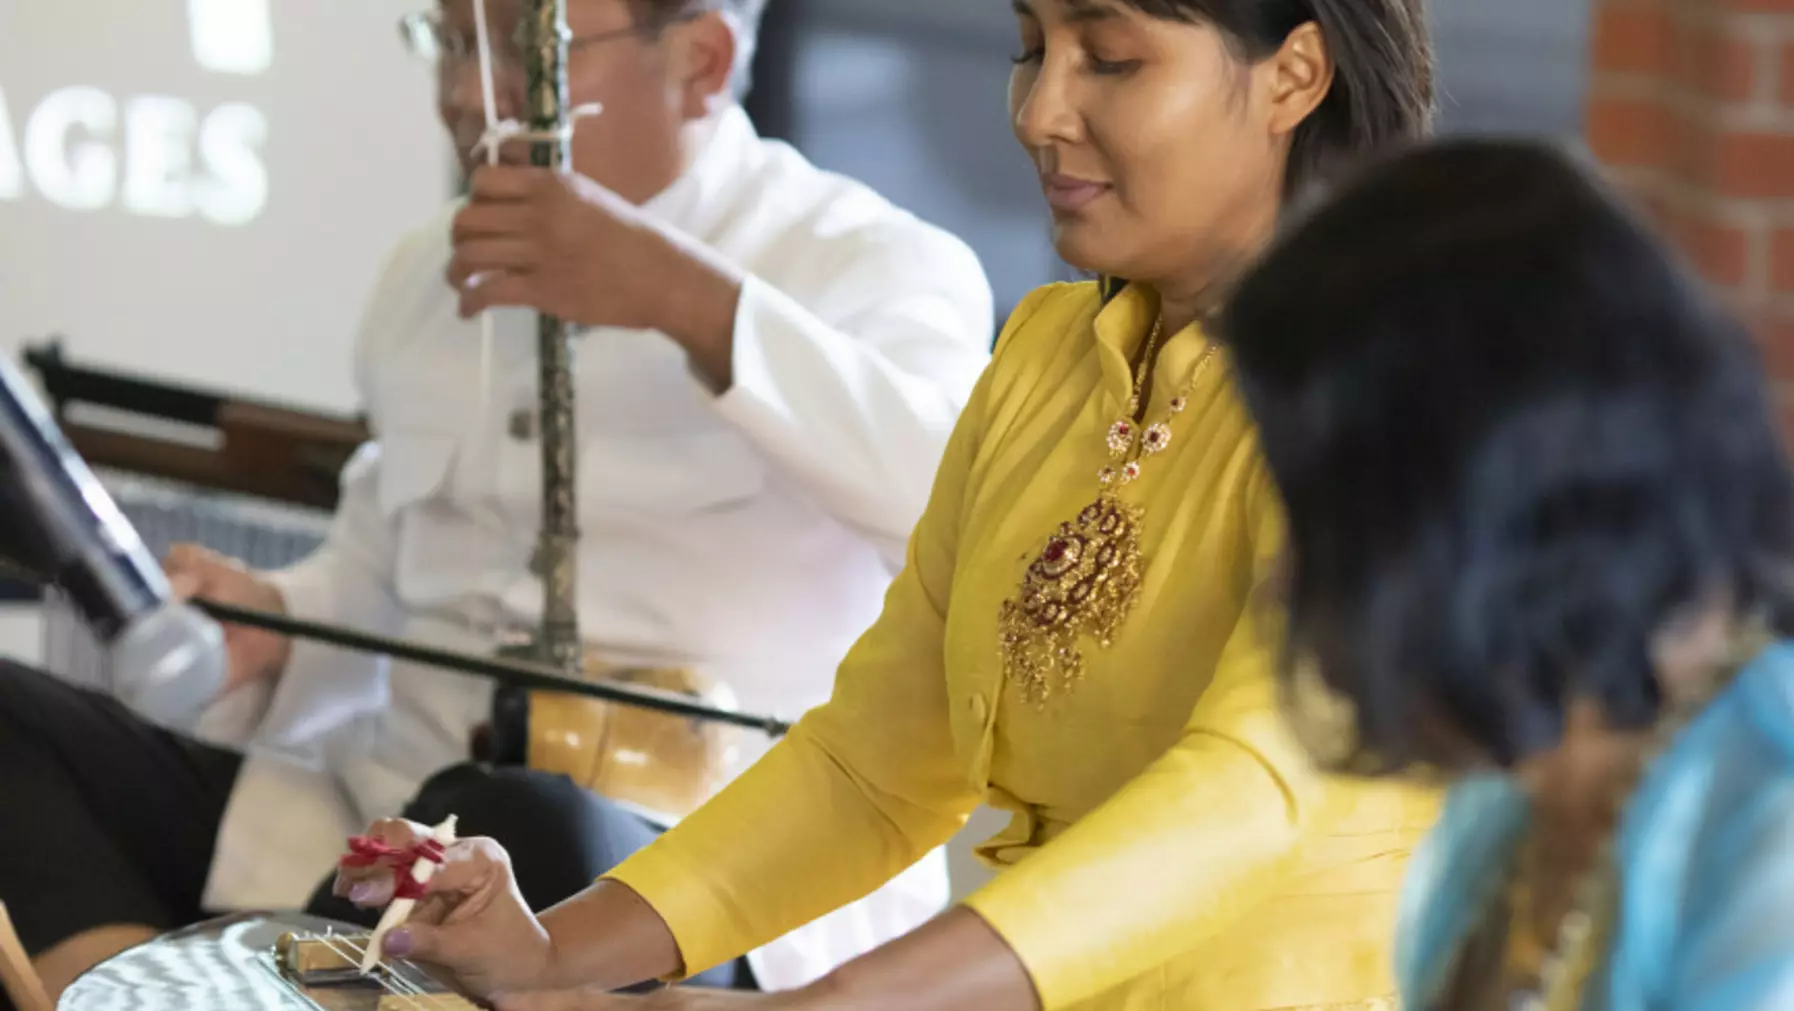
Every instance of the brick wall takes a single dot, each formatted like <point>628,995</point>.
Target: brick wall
<point>1691,107</point>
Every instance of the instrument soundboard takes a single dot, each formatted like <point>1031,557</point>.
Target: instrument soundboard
<point>257,961</point>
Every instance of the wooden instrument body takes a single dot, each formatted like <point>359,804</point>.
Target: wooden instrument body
<point>664,764</point>
<point>232,964</point>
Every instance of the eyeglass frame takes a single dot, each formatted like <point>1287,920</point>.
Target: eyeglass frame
<point>430,23</point>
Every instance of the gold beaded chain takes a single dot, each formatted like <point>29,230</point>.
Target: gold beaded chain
<point>1558,979</point>
<point>1564,971</point>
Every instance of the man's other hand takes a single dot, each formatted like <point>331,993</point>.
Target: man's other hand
<point>255,654</point>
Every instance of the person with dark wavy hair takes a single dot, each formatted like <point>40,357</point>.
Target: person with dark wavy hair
<point>1541,544</point>
<point>1069,641</point>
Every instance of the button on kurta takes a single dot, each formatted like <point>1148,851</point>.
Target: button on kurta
<point>522,424</point>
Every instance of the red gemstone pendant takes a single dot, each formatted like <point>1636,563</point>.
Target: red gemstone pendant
<point>1080,586</point>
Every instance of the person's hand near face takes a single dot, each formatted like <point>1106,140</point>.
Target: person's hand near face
<point>565,245</point>
<point>578,245</point>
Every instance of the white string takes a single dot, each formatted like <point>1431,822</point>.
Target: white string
<point>488,97</point>
<point>487,92</point>
<point>499,132</point>
<point>389,980</point>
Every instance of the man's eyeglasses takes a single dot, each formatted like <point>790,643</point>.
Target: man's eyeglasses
<point>430,38</point>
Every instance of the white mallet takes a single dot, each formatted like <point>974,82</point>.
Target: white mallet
<point>396,913</point>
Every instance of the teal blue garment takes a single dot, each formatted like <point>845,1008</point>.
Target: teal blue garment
<point>1706,854</point>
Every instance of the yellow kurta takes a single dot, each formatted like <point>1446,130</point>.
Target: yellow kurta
<point>1170,848</point>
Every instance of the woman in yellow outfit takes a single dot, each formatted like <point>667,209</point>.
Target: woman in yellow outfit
<point>1071,639</point>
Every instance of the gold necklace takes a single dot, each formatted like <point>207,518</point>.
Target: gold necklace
<point>1559,979</point>
<point>1085,579</point>
<point>1561,975</point>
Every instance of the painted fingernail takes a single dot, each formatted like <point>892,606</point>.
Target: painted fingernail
<point>398,942</point>
<point>362,891</point>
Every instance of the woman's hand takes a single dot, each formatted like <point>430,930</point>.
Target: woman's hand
<point>956,962</point>
<point>472,923</point>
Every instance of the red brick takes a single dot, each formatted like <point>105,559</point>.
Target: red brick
<point>1629,131</point>
<point>1750,164</point>
<point>1787,72</point>
<point>1709,61</point>
<point>1778,332</point>
<point>1775,337</point>
<point>1781,262</point>
<point>1758,6</point>
<point>1633,40</point>
<point>1720,252</point>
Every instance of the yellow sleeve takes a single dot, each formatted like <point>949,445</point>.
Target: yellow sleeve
<point>863,787</point>
<point>1186,848</point>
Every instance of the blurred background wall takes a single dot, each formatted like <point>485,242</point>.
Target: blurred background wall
<point>1691,108</point>
<point>204,188</point>
<point>910,94</point>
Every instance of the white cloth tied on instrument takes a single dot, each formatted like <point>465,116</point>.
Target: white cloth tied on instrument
<point>505,131</point>
<point>750,535</point>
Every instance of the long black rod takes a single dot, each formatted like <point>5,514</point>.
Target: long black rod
<point>512,673</point>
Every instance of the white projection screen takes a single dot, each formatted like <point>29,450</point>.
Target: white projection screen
<point>203,190</point>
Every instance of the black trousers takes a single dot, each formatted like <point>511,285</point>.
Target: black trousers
<point>108,819</point>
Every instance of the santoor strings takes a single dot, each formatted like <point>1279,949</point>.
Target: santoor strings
<point>390,981</point>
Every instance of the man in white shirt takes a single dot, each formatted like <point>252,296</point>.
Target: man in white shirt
<point>770,361</point>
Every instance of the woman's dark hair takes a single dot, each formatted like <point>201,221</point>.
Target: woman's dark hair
<point>1515,441</point>
<point>1382,91</point>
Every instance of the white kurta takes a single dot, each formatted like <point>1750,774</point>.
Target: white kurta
<point>749,536</point>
